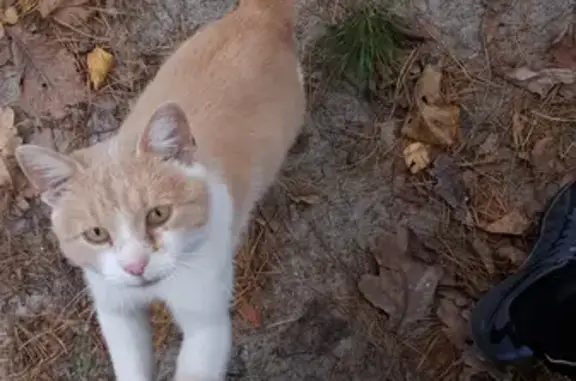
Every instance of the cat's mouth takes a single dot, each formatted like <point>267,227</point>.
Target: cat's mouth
<point>148,282</point>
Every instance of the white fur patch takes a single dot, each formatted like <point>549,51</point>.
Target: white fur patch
<point>198,290</point>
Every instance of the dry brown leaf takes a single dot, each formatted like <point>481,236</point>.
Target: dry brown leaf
<point>455,325</point>
<point>251,314</point>
<point>449,183</point>
<point>432,121</point>
<point>563,52</point>
<point>417,156</point>
<point>513,254</point>
<point>50,80</point>
<point>428,88</point>
<point>485,253</point>
<point>384,292</point>
<point>405,288</point>
<point>72,12</point>
<point>99,65</point>
<point>541,82</point>
<point>544,155</point>
<point>490,145</point>
<point>513,223</point>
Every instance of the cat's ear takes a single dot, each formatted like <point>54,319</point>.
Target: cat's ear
<point>46,169</point>
<point>168,134</point>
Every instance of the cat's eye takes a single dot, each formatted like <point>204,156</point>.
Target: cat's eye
<point>158,215</point>
<point>96,235</point>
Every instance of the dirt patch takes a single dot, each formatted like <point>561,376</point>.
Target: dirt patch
<point>299,313</point>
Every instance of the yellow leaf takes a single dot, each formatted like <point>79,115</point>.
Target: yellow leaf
<point>417,156</point>
<point>99,65</point>
<point>10,16</point>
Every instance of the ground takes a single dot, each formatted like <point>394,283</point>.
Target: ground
<point>354,267</point>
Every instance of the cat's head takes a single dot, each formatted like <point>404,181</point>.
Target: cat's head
<point>131,214</point>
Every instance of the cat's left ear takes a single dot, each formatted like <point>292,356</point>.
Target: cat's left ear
<point>168,134</point>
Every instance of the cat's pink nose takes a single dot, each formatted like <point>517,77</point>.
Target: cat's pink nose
<point>136,268</point>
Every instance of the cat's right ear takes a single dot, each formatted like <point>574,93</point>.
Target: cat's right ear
<point>168,134</point>
<point>46,169</point>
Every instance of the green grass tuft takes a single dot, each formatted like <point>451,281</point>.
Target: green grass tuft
<point>364,46</point>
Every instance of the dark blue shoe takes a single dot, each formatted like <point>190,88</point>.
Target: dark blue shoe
<point>530,314</point>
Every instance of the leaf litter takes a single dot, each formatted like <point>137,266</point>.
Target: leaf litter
<point>71,12</point>
<point>50,79</point>
<point>432,120</point>
<point>404,288</point>
<point>559,66</point>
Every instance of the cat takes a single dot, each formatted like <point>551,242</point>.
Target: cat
<point>157,211</point>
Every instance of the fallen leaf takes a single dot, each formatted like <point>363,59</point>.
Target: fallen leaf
<point>474,364</point>
<point>449,183</point>
<point>544,155</point>
<point>563,52</point>
<point>10,16</point>
<point>542,81</point>
<point>490,145</point>
<point>513,223</point>
<point>384,292</point>
<point>72,12</point>
<point>50,80</point>
<point>99,65</point>
<point>485,253</point>
<point>512,254</point>
<point>455,326</point>
<point>417,156</point>
<point>432,121</point>
<point>251,314</point>
<point>428,88</point>
<point>404,288</point>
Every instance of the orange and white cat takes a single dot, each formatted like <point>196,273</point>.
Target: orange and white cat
<point>156,212</point>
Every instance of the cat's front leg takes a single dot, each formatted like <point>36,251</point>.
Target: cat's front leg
<point>206,346</point>
<point>128,336</point>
